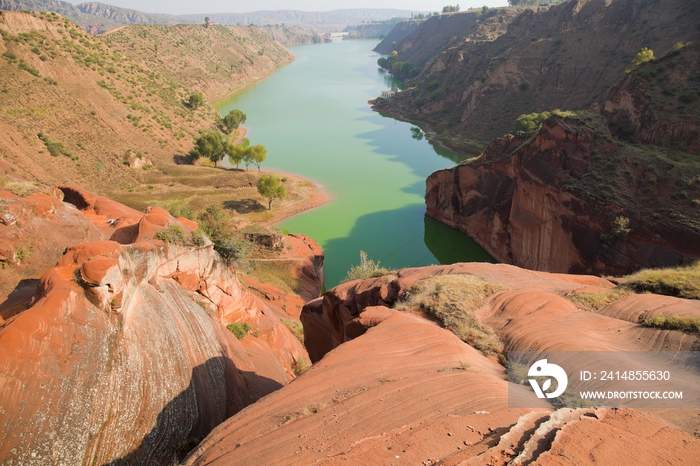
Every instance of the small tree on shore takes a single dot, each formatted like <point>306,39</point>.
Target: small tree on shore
<point>212,145</point>
<point>233,120</point>
<point>236,155</point>
<point>269,186</point>
<point>257,154</point>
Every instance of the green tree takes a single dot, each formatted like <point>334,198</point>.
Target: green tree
<point>269,186</point>
<point>257,155</point>
<point>212,145</point>
<point>642,57</point>
<point>236,155</point>
<point>196,100</point>
<point>233,120</point>
<point>206,21</point>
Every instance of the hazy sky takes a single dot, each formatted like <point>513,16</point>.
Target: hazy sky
<point>179,7</point>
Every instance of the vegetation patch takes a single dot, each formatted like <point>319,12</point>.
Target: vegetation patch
<point>594,302</point>
<point>295,327</point>
<point>366,269</point>
<point>54,148</point>
<point>684,324</point>
<point>172,234</point>
<point>683,282</point>
<point>239,329</point>
<point>452,300</point>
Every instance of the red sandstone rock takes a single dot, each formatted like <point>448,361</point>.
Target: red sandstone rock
<point>124,352</point>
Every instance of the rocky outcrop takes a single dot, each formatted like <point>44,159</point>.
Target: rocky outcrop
<point>550,201</point>
<point>123,352</point>
<point>395,387</point>
<point>26,251</point>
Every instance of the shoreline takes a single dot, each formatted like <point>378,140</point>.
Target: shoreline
<point>319,197</point>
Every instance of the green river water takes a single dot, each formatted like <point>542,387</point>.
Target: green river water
<point>313,117</point>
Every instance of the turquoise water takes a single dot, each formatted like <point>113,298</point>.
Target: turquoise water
<point>314,119</point>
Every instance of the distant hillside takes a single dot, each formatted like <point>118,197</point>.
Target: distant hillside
<point>399,32</point>
<point>98,17</point>
<point>374,30</point>
<point>94,17</point>
<point>217,60</point>
<point>76,108</point>
<point>295,35</point>
<point>327,21</point>
<point>565,56</point>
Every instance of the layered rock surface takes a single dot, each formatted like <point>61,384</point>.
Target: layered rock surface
<point>122,353</point>
<point>393,387</point>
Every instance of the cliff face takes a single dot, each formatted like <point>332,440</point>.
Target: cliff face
<point>122,353</point>
<point>590,193</point>
<point>400,30</point>
<point>565,56</point>
<point>552,202</point>
<point>394,383</point>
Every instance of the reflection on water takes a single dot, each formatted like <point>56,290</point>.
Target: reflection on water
<point>313,117</point>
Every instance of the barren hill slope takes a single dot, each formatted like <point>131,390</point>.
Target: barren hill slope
<point>107,103</point>
<point>566,56</point>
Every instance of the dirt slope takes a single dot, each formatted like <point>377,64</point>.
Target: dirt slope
<point>107,105</point>
<point>565,56</point>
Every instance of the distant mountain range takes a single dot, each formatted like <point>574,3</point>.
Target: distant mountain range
<point>98,17</point>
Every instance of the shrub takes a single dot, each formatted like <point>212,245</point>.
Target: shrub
<point>452,300</point>
<point>300,366</point>
<point>432,85</point>
<point>54,148</point>
<point>23,66</point>
<point>198,238</point>
<point>172,234</point>
<point>645,55</point>
<point>531,121</point>
<point>683,282</point>
<point>10,55</point>
<point>620,227</point>
<point>689,97</point>
<point>239,329</point>
<point>295,327</point>
<point>366,269</point>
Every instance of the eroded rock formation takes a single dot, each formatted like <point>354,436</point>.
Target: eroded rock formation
<point>123,351</point>
<point>394,387</point>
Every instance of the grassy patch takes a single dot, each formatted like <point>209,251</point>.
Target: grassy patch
<point>172,234</point>
<point>300,366</point>
<point>239,329</point>
<point>366,269</point>
<point>295,327</point>
<point>684,324</point>
<point>452,300</point>
<point>683,282</point>
<point>277,273</point>
<point>22,188</point>
<point>594,302</point>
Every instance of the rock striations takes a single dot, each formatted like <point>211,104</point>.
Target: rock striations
<point>122,353</point>
<point>392,387</point>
